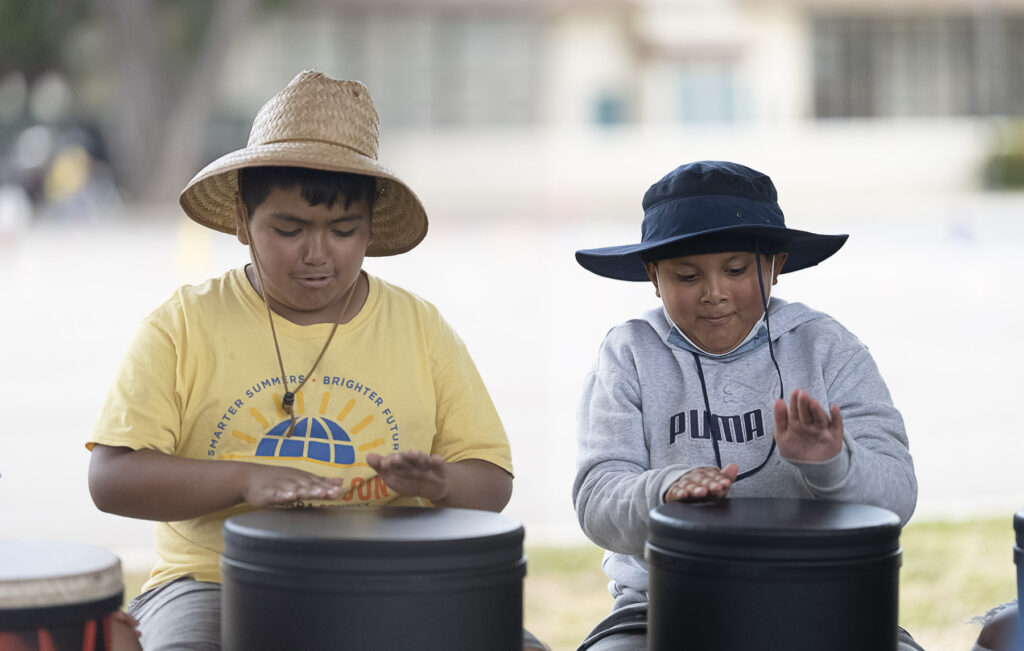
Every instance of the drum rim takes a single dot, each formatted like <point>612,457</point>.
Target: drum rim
<point>27,585</point>
<point>297,540</point>
<point>240,526</point>
<point>827,535</point>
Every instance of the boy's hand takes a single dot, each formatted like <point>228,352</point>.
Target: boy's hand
<point>804,432</point>
<point>413,473</point>
<point>124,632</point>
<point>702,484</point>
<point>269,485</point>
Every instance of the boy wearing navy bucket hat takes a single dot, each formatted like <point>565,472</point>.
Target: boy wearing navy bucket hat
<point>298,379</point>
<point>689,401</point>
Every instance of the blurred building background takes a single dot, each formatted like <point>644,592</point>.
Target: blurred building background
<point>531,104</point>
<point>529,129</point>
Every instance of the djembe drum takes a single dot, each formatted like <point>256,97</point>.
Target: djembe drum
<point>773,575</point>
<point>57,596</point>
<point>373,578</point>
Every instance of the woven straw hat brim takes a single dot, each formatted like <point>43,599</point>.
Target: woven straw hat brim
<point>399,221</point>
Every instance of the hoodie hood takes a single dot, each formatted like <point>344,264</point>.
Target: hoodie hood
<point>782,316</point>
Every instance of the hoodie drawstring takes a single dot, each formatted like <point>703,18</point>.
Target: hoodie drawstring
<point>712,423</point>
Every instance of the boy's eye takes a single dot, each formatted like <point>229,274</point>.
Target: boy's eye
<point>347,233</point>
<point>736,271</point>
<point>686,278</point>
<point>284,233</point>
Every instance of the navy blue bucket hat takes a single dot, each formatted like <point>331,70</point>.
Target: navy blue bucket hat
<point>721,203</point>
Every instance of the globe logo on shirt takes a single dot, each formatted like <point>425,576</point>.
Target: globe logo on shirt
<point>319,439</point>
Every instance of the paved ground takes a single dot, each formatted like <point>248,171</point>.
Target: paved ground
<point>932,289</point>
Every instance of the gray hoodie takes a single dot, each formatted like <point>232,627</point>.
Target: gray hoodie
<point>642,424</point>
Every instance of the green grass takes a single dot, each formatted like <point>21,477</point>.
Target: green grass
<point>952,571</point>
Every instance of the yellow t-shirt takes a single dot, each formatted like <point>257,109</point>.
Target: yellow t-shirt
<point>201,380</point>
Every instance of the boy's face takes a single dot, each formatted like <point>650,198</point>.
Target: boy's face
<point>714,298</point>
<point>309,255</point>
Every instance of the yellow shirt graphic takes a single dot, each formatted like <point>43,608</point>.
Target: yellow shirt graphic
<point>201,380</point>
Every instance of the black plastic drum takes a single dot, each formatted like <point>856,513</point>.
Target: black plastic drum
<point>374,578</point>
<point>57,596</point>
<point>773,575</point>
<point>1018,558</point>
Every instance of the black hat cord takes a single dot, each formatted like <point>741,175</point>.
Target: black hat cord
<point>713,425</point>
<point>288,400</point>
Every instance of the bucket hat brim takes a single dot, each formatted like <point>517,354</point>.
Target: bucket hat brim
<point>625,262</point>
<point>716,201</point>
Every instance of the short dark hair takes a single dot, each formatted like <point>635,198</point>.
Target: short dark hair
<point>318,186</point>
<point>714,243</point>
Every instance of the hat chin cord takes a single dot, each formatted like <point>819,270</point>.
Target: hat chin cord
<point>288,400</point>
<point>765,298</point>
<point>771,351</point>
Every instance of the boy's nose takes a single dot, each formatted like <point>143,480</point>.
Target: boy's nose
<point>316,250</point>
<point>712,291</point>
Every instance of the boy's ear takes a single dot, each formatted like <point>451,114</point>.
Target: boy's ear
<point>780,260</point>
<point>652,273</point>
<point>241,215</point>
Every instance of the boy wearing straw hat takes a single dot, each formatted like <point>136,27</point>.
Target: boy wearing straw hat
<point>299,378</point>
<point>688,401</point>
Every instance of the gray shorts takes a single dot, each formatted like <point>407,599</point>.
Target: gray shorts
<point>184,615</point>
<point>178,616</point>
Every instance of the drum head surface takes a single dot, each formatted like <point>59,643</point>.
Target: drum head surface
<point>35,573</point>
<point>343,538</point>
<point>770,526</point>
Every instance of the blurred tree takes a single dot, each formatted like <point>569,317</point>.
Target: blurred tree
<point>31,33</point>
<point>1003,167</point>
<point>158,67</point>
<point>169,55</point>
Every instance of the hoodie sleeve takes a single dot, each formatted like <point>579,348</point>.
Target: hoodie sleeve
<point>615,487</point>
<point>880,470</point>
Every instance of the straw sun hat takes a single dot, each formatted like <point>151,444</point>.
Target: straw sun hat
<point>324,124</point>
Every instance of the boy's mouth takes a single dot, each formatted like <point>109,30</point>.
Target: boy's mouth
<point>313,281</point>
<point>717,320</point>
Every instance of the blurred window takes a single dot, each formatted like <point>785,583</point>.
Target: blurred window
<point>448,67</point>
<point>708,92</point>
<point>935,65</point>
<point>609,108</point>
